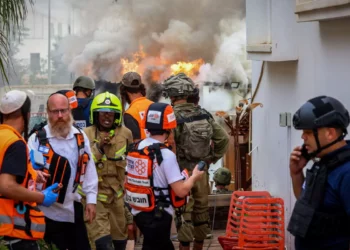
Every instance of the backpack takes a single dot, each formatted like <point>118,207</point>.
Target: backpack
<point>196,132</point>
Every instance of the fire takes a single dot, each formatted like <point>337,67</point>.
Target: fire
<point>133,65</point>
<point>129,66</point>
<point>189,68</point>
<point>155,69</point>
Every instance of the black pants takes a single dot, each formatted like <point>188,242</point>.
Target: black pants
<point>24,245</point>
<point>66,235</point>
<point>156,232</point>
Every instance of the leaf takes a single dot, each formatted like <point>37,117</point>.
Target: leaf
<point>12,15</point>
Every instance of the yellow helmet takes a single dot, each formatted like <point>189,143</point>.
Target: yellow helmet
<point>106,102</point>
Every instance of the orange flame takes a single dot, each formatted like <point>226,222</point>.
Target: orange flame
<point>132,65</point>
<point>189,68</point>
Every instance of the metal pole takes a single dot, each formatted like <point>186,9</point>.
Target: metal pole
<point>49,47</point>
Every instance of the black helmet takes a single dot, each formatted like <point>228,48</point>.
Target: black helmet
<point>320,112</point>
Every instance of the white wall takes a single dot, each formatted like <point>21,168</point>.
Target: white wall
<point>323,68</point>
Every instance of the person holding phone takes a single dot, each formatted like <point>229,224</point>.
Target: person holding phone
<point>154,183</point>
<point>320,218</point>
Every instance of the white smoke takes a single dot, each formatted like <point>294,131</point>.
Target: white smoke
<point>169,31</point>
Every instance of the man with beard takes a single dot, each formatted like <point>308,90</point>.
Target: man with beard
<point>133,91</point>
<point>109,140</point>
<point>67,153</point>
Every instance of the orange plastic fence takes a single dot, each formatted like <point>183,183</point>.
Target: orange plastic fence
<point>233,222</point>
<point>255,221</point>
<point>262,225</point>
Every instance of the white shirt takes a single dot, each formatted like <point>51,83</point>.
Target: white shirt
<point>68,148</point>
<point>167,173</point>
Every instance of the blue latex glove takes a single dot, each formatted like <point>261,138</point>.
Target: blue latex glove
<point>34,164</point>
<point>49,196</point>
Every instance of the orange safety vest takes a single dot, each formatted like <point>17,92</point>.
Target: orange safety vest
<point>58,166</point>
<point>137,110</point>
<point>30,223</point>
<point>139,180</point>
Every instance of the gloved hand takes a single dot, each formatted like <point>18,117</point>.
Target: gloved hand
<point>49,196</point>
<point>35,158</point>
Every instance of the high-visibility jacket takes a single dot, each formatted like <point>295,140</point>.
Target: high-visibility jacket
<point>19,219</point>
<point>137,110</point>
<point>140,190</point>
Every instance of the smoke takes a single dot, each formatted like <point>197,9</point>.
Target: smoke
<point>168,31</point>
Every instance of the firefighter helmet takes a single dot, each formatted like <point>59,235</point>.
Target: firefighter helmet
<point>106,102</point>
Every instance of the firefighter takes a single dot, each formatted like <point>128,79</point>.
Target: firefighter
<point>18,199</point>
<point>109,140</point>
<point>84,87</point>
<point>197,137</point>
<point>222,178</point>
<point>69,162</point>
<point>133,91</point>
<point>154,183</point>
<point>320,218</point>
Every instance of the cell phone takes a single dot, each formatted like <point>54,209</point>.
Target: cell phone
<point>304,153</point>
<point>38,158</point>
<point>201,165</point>
<point>60,186</point>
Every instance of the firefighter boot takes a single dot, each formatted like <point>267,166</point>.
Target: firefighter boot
<point>119,244</point>
<point>184,246</point>
<point>198,245</point>
<point>104,243</point>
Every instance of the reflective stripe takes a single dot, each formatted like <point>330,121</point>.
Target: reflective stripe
<point>5,219</point>
<point>33,227</point>
<point>17,221</point>
<point>119,193</point>
<point>94,158</point>
<point>102,197</point>
<point>120,152</point>
<point>80,190</point>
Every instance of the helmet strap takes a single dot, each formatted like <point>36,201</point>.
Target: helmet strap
<point>86,93</point>
<point>319,148</point>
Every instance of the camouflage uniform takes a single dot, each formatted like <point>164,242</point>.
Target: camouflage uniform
<point>196,215</point>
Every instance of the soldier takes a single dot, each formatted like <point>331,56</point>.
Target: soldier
<point>197,137</point>
<point>109,140</point>
<point>83,87</point>
<point>222,178</point>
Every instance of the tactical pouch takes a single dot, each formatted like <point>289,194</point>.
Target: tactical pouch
<point>300,221</point>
